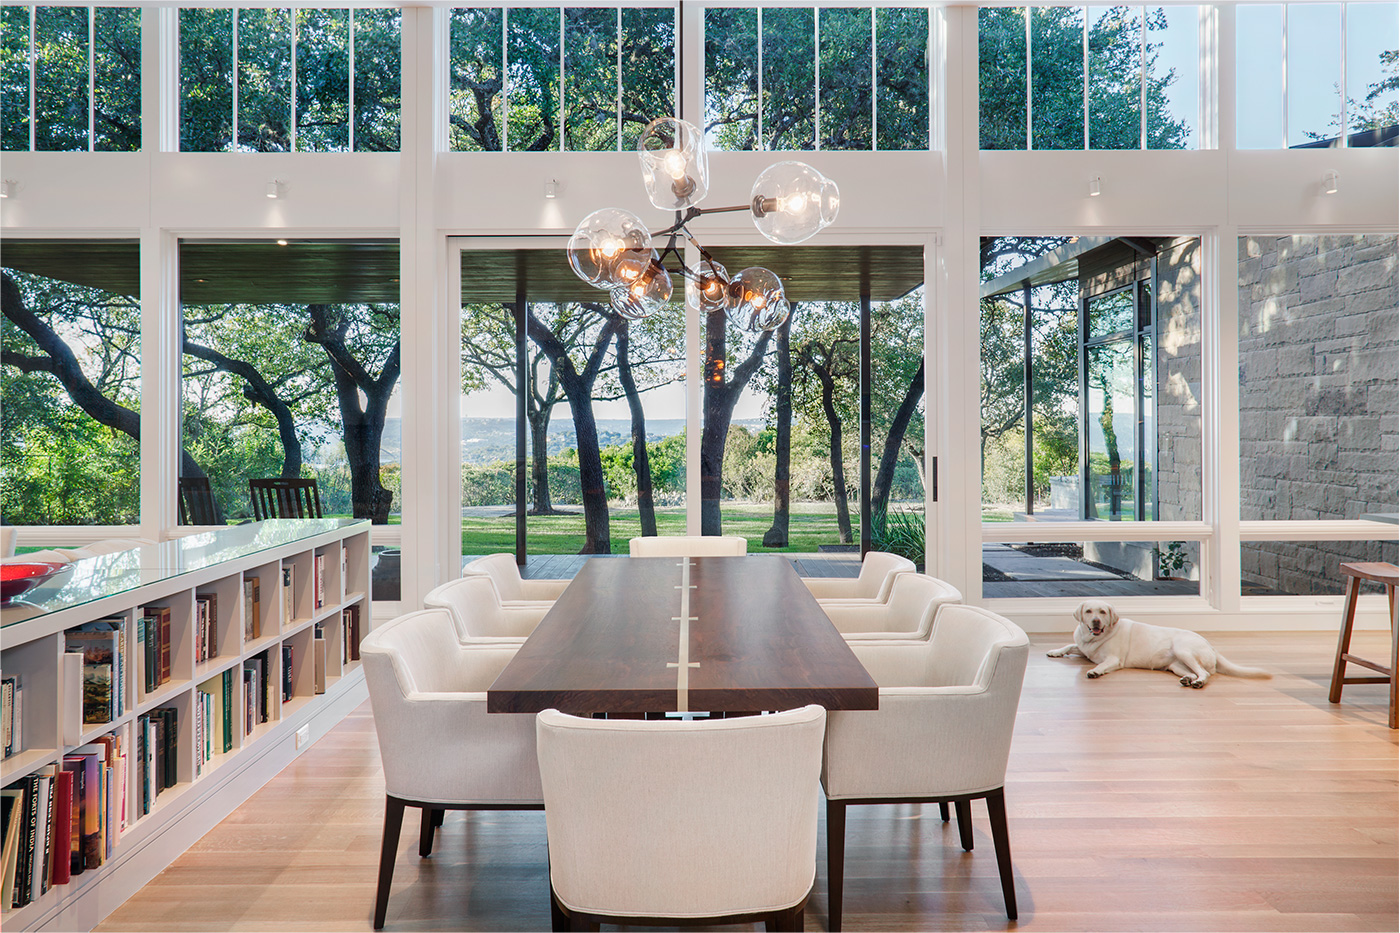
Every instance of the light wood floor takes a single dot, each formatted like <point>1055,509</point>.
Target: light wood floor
<point>1134,804</point>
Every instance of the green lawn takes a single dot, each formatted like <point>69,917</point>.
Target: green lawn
<point>811,524</point>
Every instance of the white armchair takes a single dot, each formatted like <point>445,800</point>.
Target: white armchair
<point>440,749</point>
<point>942,733</point>
<point>684,820</point>
<point>479,615</point>
<point>877,573</point>
<point>908,615</point>
<point>689,546</point>
<point>511,588</point>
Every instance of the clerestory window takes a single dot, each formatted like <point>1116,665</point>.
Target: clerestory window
<point>1293,62</point>
<point>802,78</point>
<point>70,79</point>
<point>1089,77</point>
<point>280,80</point>
<point>536,79</point>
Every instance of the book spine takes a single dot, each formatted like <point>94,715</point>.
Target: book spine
<point>24,871</point>
<point>63,827</point>
<point>228,711</point>
<point>46,785</point>
<point>286,673</point>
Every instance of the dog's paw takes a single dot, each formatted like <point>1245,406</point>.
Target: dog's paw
<point>1192,682</point>
<point>1093,675</point>
<point>1057,653</point>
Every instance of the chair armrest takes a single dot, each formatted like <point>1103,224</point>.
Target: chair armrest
<point>921,742</point>
<point>830,587</point>
<point>543,590</point>
<point>445,748</point>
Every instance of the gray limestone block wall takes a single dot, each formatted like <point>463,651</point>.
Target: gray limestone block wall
<point>1178,388</point>
<point>1319,358</point>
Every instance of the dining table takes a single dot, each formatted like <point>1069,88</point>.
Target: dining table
<point>636,635</point>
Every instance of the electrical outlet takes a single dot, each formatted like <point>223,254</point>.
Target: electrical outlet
<point>303,735</point>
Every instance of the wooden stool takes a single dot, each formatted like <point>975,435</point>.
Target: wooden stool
<point>1389,576</point>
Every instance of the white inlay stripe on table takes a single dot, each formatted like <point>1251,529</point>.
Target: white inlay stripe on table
<point>683,664</point>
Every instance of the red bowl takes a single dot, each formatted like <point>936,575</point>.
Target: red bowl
<point>19,577</point>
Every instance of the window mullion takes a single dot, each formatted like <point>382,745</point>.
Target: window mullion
<point>292,40</point>
<point>350,116</point>
<point>91,79</point>
<point>234,27</point>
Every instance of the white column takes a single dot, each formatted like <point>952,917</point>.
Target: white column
<point>428,390</point>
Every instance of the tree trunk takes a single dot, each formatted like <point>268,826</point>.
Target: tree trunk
<point>889,456</point>
<point>61,363</point>
<point>539,459</point>
<point>646,509</point>
<point>777,535</point>
<point>363,423</point>
<point>719,401</point>
<point>578,388</point>
<point>838,470</point>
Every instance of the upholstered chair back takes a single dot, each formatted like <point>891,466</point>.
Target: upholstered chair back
<point>436,741</point>
<point>914,598</point>
<point>681,819</point>
<point>947,711</point>
<point>877,573</point>
<point>479,616</point>
<point>504,574</point>
<point>689,546</point>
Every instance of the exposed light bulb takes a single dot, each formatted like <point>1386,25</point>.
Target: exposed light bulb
<point>674,163</point>
<point>611,247</point>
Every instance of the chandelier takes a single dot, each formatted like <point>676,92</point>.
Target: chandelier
<point>612,249</point>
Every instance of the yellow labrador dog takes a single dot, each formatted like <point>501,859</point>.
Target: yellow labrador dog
<point>1112,642</point>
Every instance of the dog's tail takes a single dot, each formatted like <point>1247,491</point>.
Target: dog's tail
<point>1224,665</point>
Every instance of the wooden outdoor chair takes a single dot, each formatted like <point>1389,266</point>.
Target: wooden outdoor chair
<point>284,498</point>
<point>197,505</point>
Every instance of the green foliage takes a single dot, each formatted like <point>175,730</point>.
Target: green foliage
<point>1057,63</point>
<point>1171,561</point>
<point>900,531</point>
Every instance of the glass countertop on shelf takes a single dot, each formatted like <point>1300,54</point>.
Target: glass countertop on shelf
<point>94,578</point>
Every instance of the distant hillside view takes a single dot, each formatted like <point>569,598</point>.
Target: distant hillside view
<point>488,440</point>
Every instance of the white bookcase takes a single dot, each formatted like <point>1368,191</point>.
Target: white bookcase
<point>172,574</point>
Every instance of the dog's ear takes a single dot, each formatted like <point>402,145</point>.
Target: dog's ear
<point>1079,612</point>
<point>1112,614</point>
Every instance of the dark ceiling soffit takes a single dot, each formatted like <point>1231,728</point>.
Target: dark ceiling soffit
<point>220,272</point>
<point>809,273</point>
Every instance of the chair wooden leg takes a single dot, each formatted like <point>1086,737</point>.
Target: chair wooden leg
<point>558,919</point>
<point>784,920</point>
<point>996,811</point>
<point>1334,695</point>
<point>439,816</point>
<point>835,861</point>
<point>393,822</point>
<point>943,810</point>
<point>425,832</point>
<point>964,811</point>
<point>1394,659</point>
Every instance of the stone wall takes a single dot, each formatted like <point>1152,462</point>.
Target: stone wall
<point>1178,366</point>
<point>1319,357</point>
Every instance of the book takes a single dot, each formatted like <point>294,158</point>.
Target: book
<point>226,711</point>
<point>288,612</point>
<point>12,818</point>
<point>258,665</point>
<point>61,860</point>
<point>7,714</point>
<point>139,659</point>
<point>99,643</point>
<point>71,700</point>
<point>24,868</point>
<point>320,580</point>
<point>158,625</point>
<point>286,673</point>
<point>207,629</point>
<point>318,650</point>
<point>353,629</point>
<point>252,609</point>
<point>39,882</point>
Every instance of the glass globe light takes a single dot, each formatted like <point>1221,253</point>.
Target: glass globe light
<point>675,167</point>
<point>610,247</point>
<point>709,290</point>
<point>644,295</point>
<point>792,201</point>
<point>756,300</point>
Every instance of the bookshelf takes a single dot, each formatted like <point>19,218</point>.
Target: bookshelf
<point>179,578</point>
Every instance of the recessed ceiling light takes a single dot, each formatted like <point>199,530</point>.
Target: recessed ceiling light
<point>281,242</point>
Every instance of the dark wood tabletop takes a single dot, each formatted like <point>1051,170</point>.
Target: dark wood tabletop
<point>753,638</point>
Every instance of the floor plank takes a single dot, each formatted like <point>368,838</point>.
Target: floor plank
<point>1134,804</point>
